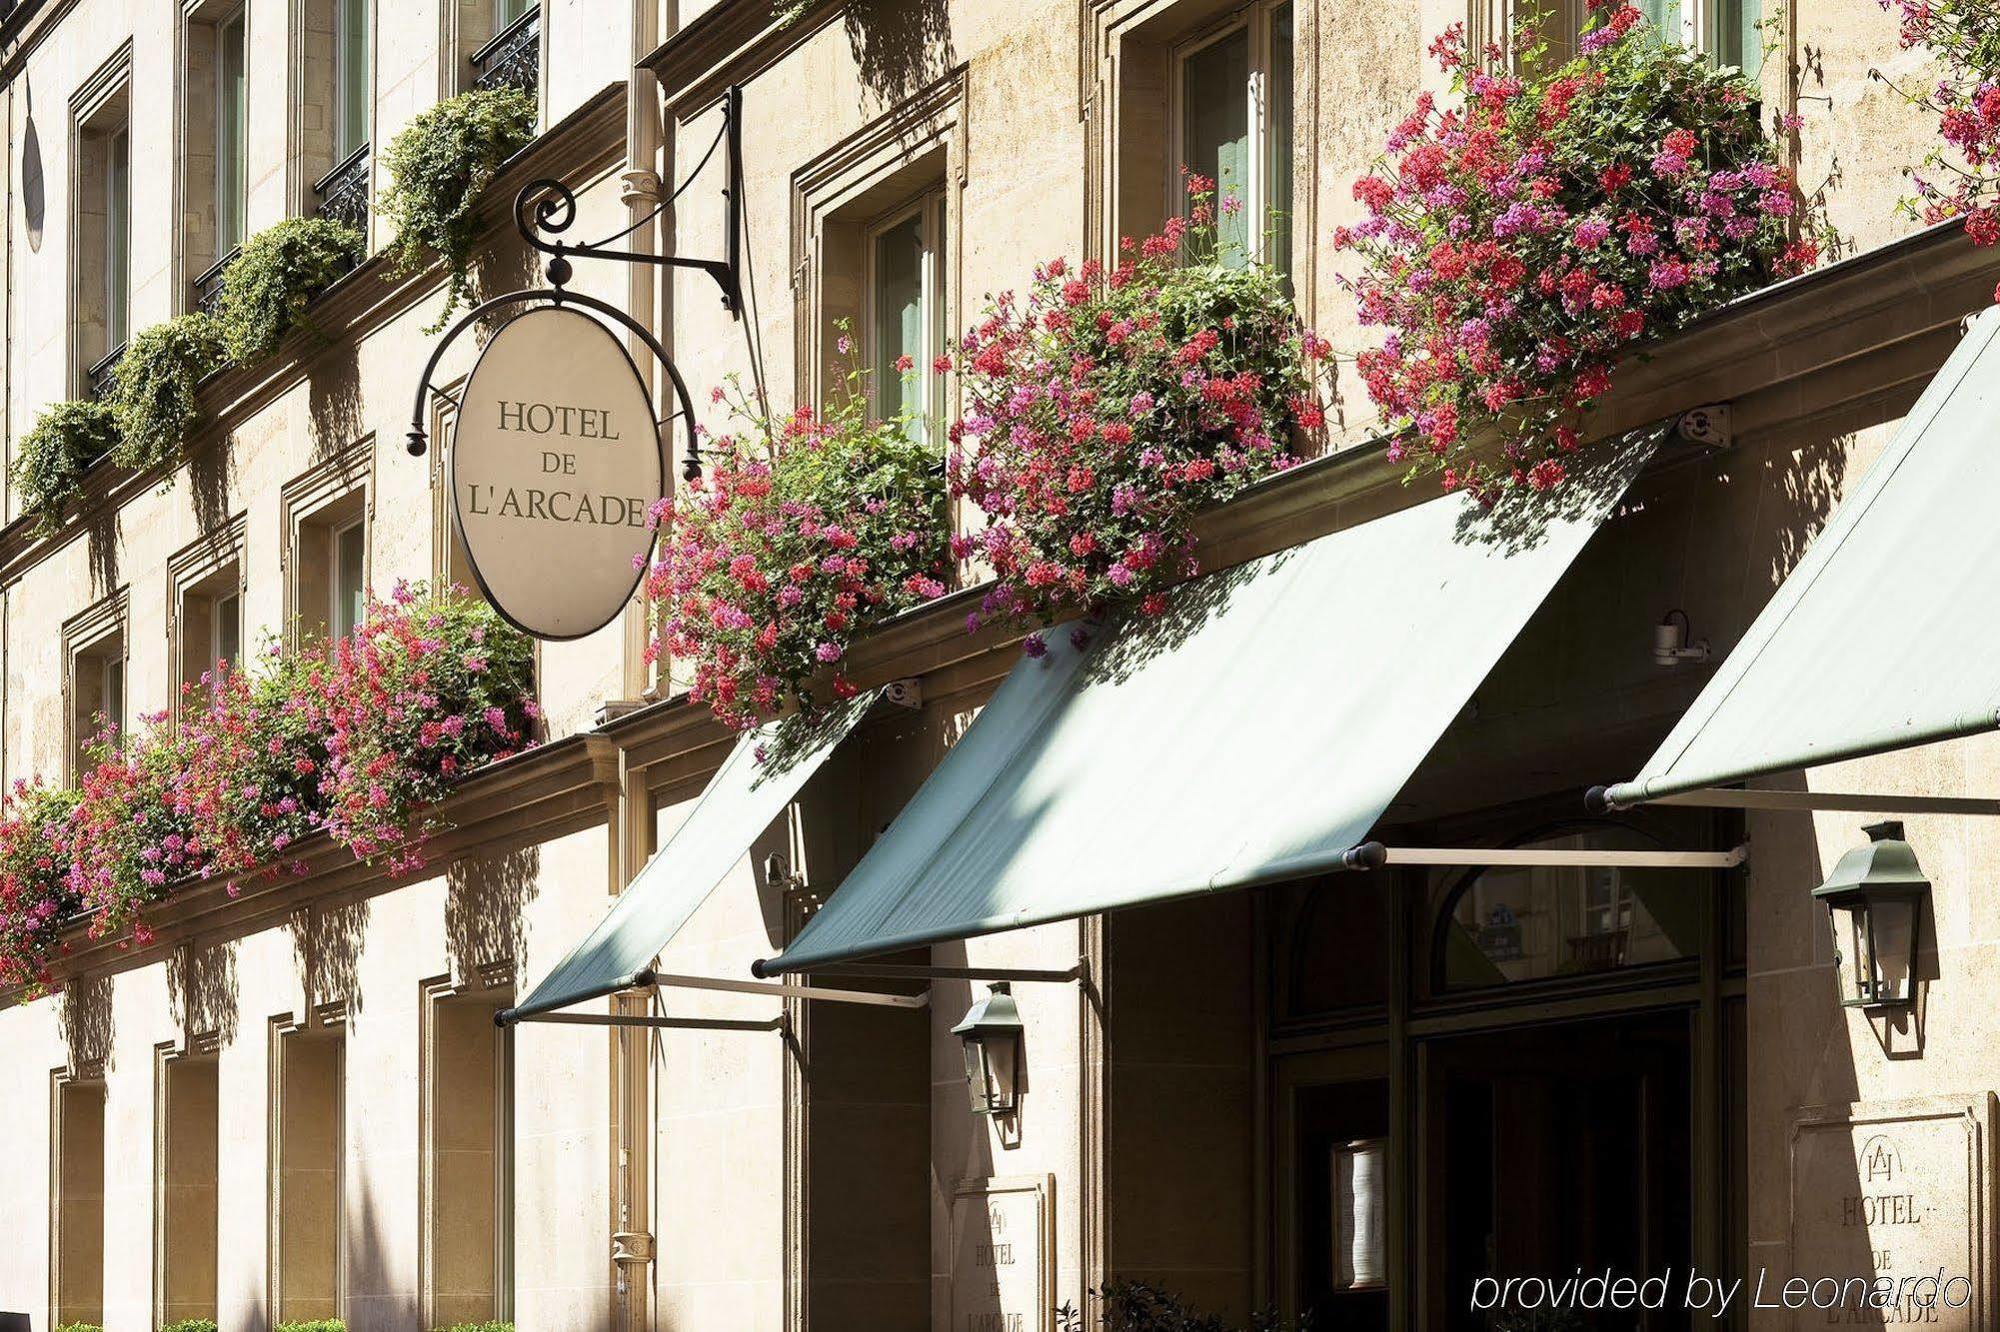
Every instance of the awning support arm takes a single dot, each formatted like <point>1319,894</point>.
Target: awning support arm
<point>666,981</point>
<point>777,1023</point>
<point>897,971</point>
<point>1374,855</point>
<point>1860,802</point>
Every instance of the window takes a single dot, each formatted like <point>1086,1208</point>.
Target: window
<point>190,1142</point>
<point>205,610</point>
<point>77,1202</point>
<point>906,256</point>
<point>95,649</point>
<point>101,225</point>
<point>232,171</point>
<point>306,1172</point>
<point>118,237</point>
<point>325,515</point>
<point>350,78</point>
<point>468,1133</point>
<point>1726,29</point>
<point>1508,924</point>
<point>347,590</point>
<point>1234,91</point>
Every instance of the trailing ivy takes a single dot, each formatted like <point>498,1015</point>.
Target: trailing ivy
<point>53,456</point>
<point>281,269</point>
<point>438,166</point>
<point>155,396</point>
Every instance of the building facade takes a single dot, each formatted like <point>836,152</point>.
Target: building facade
<point>293,1101</point>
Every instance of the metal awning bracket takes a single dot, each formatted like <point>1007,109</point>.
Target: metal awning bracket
<point>1374,855</point>
<point>1859,802</point>
<point>778,1023</point>
<point>666,981</point>
<point>895,971</point>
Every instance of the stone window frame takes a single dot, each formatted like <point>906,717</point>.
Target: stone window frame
<point>100,107</point>
<point>210,567</point>
<point>489,985</point>
<point>97,633</point>
<point>310,507</point>
<point>450,561</point>
<point>1124,96</point>
<point>326,1021</point>
<point>62,1080</point>
<point>198,1048</point>
<point>196,188</point>
<point>915,148</point>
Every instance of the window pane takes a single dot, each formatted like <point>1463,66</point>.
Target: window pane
<point>1278,152</point>
<point>117,240</point>
<point>899,318</point>
<point>112,704</point>
<point>351,75</point>
<point>1665,16</point>
<point>1516,923</point>
<point>231,173</point>
<point>348,588</point>
<point>1215,129</point>
<point>228,613</point>
<point>507,13</point>
<point>1737,40</point>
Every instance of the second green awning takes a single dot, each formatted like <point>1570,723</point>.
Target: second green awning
<point>1254,732</point>
<point>763,774</point>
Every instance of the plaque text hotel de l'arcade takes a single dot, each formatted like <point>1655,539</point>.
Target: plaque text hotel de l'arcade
<point>1898,1189</point>
<point>1003,1255</point>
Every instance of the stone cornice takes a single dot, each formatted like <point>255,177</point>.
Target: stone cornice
<point>728,43</point>
<point>583,147</point>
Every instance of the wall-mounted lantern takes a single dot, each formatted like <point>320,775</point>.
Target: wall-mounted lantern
<point>1874,900</point>
<point>992,1034</point>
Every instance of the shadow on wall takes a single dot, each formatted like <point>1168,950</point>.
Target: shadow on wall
<point>899,46</point>
<point>1806,488</point>
<point>328,941</point>
<point>101,538</point>
<point>202,987</point>
<point>484,907</point>
<point>334,401</point>
<point>86,1021</point>
<point>34,186</point>
<point>208,484</point>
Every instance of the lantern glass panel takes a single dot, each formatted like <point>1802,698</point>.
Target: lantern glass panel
<point>1850,947</point>
<point>1892,923</point>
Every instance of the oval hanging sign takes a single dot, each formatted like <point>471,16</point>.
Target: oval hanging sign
<point>555,463</point>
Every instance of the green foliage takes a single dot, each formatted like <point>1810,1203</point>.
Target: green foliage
<point>191,1325</point>
<point>317,1325</point>
<point>79,1327</point>
<point>495,1326</point>
<point>155,395</point>
<point>281,269</point>
<point>438,166</point>
<point>53,456</point>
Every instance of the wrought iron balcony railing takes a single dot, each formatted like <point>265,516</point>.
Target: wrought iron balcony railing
<point>100,375</point>
<point>208,284</point>
<point>343,191</point>
<point>514,58</point>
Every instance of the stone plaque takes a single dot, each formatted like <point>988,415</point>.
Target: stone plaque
<point>1003,1255</point>
<point>1891,1217</point>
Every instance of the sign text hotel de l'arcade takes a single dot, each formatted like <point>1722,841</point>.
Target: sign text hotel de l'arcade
<point>555,467</point>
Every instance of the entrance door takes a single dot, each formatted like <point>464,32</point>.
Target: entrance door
<point>1553,1150</point>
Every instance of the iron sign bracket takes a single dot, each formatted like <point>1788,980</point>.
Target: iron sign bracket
<point>548,206</point>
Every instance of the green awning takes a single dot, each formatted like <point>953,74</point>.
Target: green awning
<point>1255,732</point>
<point>763,774</point>
<point>1882,638</point>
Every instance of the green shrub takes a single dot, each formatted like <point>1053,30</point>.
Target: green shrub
<point>317,1325</point>
<point>79,1327</point>
<point>154,397</point>
<point>494,1326</point>
<point>191,1325</point>
<point>281,269</point>
<point>53,456</point>
<point>438,166</point>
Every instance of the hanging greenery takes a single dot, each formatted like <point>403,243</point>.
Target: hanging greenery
<point>52,457</point>
<point>438,167</point>
<point>281,269</point>
<point>155,393</point>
